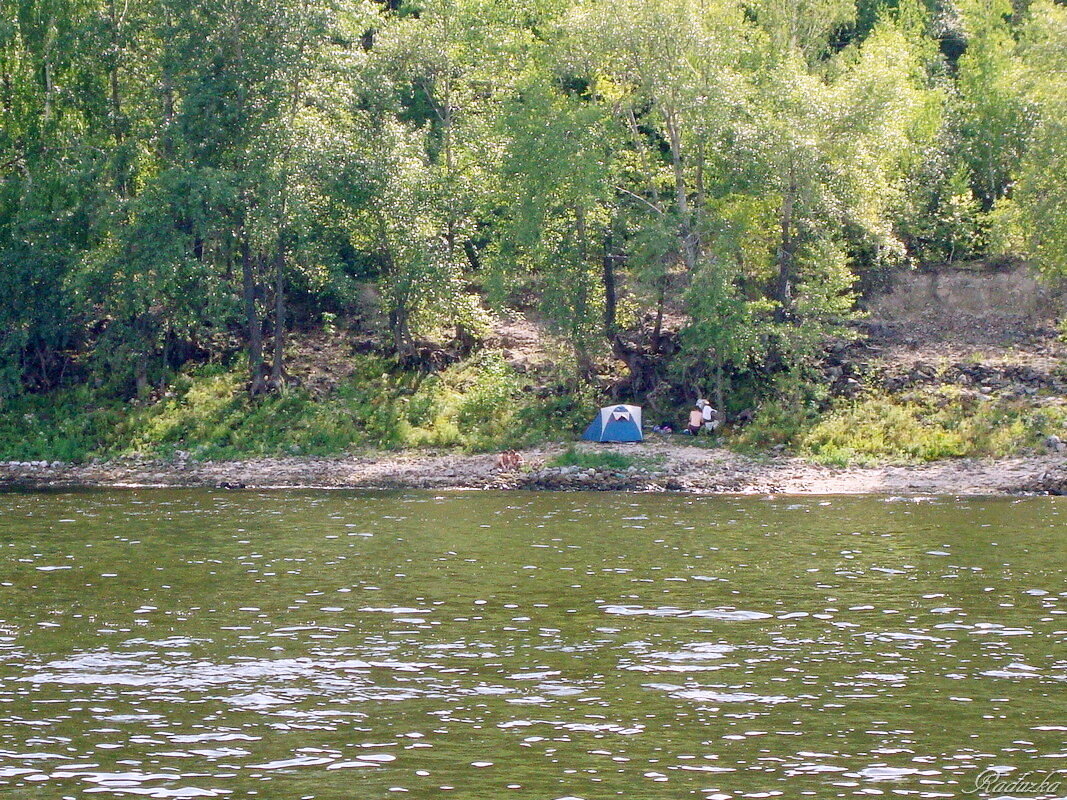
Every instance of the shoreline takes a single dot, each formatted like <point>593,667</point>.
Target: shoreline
<point>660,466</point>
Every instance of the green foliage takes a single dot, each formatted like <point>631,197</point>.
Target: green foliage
<point>960,219</point>
<point>472,405</point>
<point>68,425</point>
<point>995,118</point>
<point>1042,191</point>
<point>475,405</point>
<point>557,417</point>
<point>180,183</point>
<point>593,460</point>
<point>920,426</point>
<point>782,420</point>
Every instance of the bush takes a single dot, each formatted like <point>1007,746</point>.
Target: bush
<point>797,406</point>
<point>477,405</point>
<point>554,418</point>
<point>603,460</point>
<point>919,426</point>
<point>881,429</point>
<point>586,460</point>
<point>68,425</point>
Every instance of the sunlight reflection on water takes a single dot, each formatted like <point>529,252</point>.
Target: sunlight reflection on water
<point>201,644</point>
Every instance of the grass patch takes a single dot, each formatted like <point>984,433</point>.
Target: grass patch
<point>915,427</point>
<point>777,423</point>
<point>206,414</point>
<point>70,425</point>
<point>476,405</point>
<point>599,461</point>
<point>473,405</point>
<point>483,405</point>
<point>607,461</point>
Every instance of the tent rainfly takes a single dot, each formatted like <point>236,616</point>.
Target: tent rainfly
<point>615,424</point>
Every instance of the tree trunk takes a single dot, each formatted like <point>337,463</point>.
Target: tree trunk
<point>473,259</point>
<point>277,372</point>
<point>253,322</point>
<point>786,251</point>
<point>581,298</point>
<point>661,302</point>
<point>398,326</point>
<point>720,402</point>
<point>142,336</point>
<point>116,99</point>
<point>611,300</point>
<point>686,235</point>
<point>46,70</point>
<point>141,375</point>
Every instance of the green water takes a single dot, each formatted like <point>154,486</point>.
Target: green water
<point>542,646</point>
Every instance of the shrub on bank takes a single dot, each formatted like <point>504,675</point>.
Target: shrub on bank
<point>475,405</point>
<point>597,461</point>
<point>608,461</point>
<point>481,405</point>
<point>914,427</point>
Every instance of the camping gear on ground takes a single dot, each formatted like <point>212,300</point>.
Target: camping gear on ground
<point>615,424</point>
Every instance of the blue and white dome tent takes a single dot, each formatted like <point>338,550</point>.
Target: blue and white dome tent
<point>615,424</point>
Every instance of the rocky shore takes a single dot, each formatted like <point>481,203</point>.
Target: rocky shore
<point>658,466</point>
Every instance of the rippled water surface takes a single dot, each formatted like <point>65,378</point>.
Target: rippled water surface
<point>360,645</point>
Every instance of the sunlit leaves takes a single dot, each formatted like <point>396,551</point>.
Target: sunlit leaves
<point>1042,191</point>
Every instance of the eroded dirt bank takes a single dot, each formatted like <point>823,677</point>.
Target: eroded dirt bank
<point>659,466</point>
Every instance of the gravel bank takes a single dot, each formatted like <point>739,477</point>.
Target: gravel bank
<point>661,466</point>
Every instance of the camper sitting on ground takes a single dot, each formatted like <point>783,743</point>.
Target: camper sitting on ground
<point>696,420</point>
<point>709,416</point>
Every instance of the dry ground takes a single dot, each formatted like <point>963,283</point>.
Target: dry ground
<point>669,466</point>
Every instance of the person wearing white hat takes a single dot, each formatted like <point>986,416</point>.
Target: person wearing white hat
<point>708,415</point>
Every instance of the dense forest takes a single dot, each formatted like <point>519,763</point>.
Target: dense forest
<point>694,190</point>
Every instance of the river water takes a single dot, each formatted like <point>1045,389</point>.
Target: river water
<point>492,645</point>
